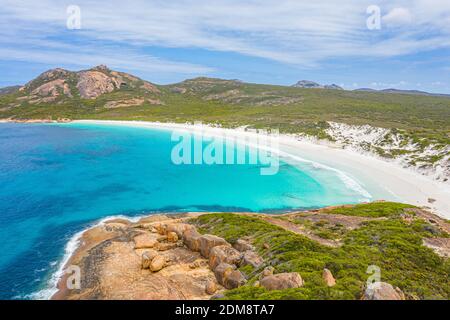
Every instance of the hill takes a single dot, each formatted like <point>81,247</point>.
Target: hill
<point>413,129</point>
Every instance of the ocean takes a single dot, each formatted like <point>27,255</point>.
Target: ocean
<point>58,179</point>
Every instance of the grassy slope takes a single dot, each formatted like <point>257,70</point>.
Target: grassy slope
<point>422,116</point>
<point>393,245</point>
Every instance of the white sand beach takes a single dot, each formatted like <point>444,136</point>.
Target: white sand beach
<point>375,175</point>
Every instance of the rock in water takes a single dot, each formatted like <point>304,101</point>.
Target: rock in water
<point>328,278</point>
<point>282,281</point>
<point>224,253</point>
<point>383,291</point>
<point>157,263</point>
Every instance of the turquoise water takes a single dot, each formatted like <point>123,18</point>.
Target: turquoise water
<point>56,180</point>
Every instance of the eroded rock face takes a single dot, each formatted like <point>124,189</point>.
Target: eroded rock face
<point>208,241</point>
<point>327,276</point>
<point>92,84</point>
<point>282,281</point>
<point>224,254</point>
<point>383,291</point>
<point>52,89</point>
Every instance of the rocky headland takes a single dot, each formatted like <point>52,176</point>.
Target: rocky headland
<point>248,256</point>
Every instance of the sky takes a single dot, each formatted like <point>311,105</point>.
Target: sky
<point>352,43</point>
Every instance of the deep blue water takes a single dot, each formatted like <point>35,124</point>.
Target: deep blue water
<point>56,180</point>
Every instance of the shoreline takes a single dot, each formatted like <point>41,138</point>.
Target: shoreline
<point>87,241</point>
<point>408,186</point>
<point>402,184</point>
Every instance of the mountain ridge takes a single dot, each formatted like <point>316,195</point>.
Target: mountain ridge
<point>94,78</point>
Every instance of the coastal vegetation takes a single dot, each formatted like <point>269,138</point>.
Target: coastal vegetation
<point>389,236</point>
<point>412,128</point>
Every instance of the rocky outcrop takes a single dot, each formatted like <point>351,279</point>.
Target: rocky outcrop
<point>227,275</point>
<point>92,84</point>
<point>243,245</point>
<point>116,263</point>
<point>191,239</point>
<point>268,271</point>
<point>224,254</point>
<point>211,287</point>
<point>327,276</point>
<point>145,240</point>
<point>60,86</point>
<point>252,258</point>
<point>172,236</point>
<point>439,245</point>
<point>382,291</point>
<point>282,281</point>
<point>52,89</point>
<point>208,241</point>
<point>157,263</point>
<point>147,258</point>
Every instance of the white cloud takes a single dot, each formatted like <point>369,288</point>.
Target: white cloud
<point>295,32</point>
<point>398,17</point>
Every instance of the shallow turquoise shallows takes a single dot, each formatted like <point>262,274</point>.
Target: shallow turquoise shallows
<point>56,180</point>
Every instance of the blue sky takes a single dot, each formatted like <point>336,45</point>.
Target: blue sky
<point>262,41</point>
